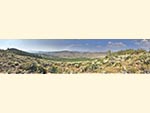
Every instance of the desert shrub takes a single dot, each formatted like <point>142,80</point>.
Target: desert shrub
<point>41,70</point>
<point>18,72</point>
<point>140,51</point>
<point>147,61</point>
<point>132,70</point>
<point>53,69</point>
<point>9,72</point>
<point>93,67</point>
<point>16,63</point>
<point>30,67</point>
<point>128,57</point>
<point>123,52</point>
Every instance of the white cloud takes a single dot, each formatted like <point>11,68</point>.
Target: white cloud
<point>109,42</point>
<point>144,44</point>
<point>116,44</point>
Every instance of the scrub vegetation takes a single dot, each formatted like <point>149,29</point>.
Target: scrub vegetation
<point>14,61</point>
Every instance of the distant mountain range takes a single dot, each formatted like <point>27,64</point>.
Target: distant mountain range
<point>59,54</point>
<point>72,54</point>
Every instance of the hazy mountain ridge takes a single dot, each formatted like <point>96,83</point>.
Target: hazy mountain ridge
<point>21,52</point>
<point>59,54</point>
<point>74,54</point>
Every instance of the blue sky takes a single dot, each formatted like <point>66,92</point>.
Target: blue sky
<point>90,45</point>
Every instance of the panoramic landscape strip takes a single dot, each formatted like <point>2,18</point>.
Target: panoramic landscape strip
<point>74,56</point>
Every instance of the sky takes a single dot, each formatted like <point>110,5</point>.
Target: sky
<point>86,45</point>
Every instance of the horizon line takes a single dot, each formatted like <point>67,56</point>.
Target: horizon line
<point>35,51</point>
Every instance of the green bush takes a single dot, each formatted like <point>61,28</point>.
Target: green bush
<point>53,69</point>
<point>41,70</point>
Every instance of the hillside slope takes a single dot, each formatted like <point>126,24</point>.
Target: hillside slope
<point>129,61</point>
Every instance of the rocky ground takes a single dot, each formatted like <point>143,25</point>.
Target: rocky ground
<point>123,62</point>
